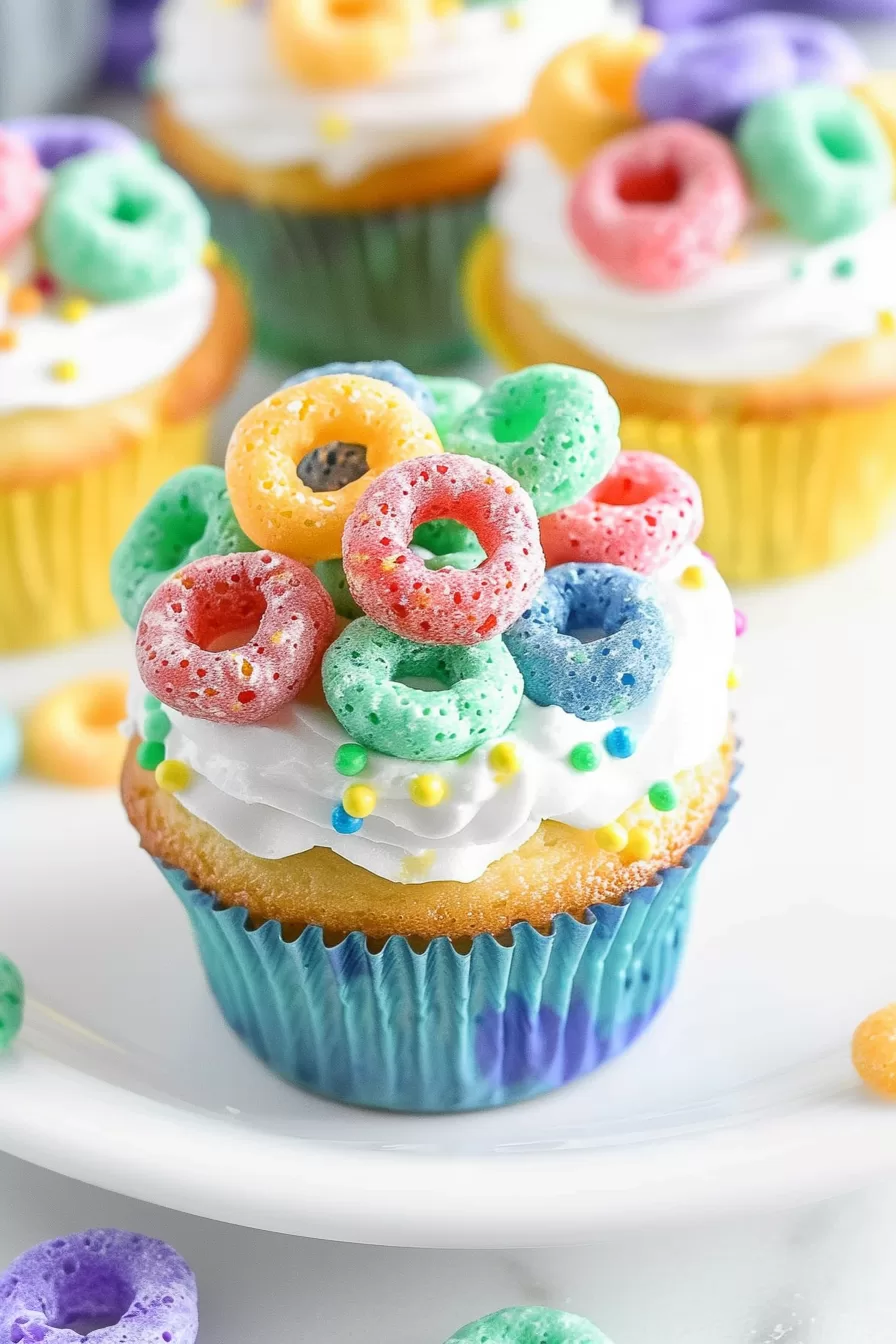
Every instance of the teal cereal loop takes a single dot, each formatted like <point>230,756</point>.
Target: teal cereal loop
<point>188,517</point>
<point>120,227</point>
<point>530,1325</point>
<point>12,1002</point>
<point>818,158</point>
<point>452,397</point>
<point>361,679</point>
<point>554,429</point>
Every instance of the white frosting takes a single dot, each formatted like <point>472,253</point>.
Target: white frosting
<point>751,317</point>
<point>271,788</point>
<point>465,72</point>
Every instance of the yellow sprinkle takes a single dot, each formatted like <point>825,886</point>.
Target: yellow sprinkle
<point>443,9</point>
<point>640,845</point>
<point>513,19</point>
<point>733,679</point>
<point>612,837</point>
<point>886,323</point>
<point>26,300</point>
<point>692,577</point>
<point>211,255</point>
<point>504,759</point>
<point>416,866</point>
<point>359,800</point>
<point>65,371</point>
<point>427,790</point>
<point>332,127</point>
<point>173,776</point>
<point>9,339</point>
<point>75,309</point>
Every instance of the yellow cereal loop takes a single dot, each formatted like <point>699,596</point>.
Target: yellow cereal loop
<point>874,1051</point>
<point>72,735</point>
<point>585,96</point>
<point>273,506</point>
<point>326,44</point>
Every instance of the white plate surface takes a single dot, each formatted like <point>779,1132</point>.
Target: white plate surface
<point>740,1096</point>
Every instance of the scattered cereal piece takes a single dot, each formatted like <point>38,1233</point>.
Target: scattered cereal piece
<point>874,1051</point>
<point>72,735</point>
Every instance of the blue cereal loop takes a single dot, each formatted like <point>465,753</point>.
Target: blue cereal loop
<point>610,675</point>
<point>386,370</point>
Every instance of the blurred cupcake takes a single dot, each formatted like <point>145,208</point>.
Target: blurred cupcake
<point>440,856</point>
<point>345,154</point>
<point>717,240</point>
<point>49,53</point>
<point>119,332</point>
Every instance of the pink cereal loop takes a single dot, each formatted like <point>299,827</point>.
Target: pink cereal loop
<point>22,185</point>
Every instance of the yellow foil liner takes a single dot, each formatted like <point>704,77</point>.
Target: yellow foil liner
<point>781,496</point>
<point>56,540</point>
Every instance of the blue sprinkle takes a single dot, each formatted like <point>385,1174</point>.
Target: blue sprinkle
<point>620,743</point>
<point>343,823</point>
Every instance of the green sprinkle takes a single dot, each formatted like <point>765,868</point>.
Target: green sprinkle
<point>350,759</point>
<point>797,270</point>
<point>150,702</point>
<point>150,754</point>
<point>844,267</point>
<point>662,796</point>
<point>584,756</point>
<point>156,726</point>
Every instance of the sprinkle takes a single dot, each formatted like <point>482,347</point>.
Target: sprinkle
<point>733,679</point>
<point>416,866</point>
<point>75,309</point>
<point>797,270</point>
<point>65,371</point>
<point>584,756</point>
<point>9,339</point>
<point>619,743</point>
<point>350,759</point>
<point>428,790</point>
<point>156,726</point>
<point>504,759</point>
<point>640,845</point>
<point>26,300</point>
<point>44,282</point>
<point>150,755</point>
<point>844,267</point>
<point>173,776</point>
<point>874,1051</point>
<point>692,577</point>
<point>662,796</point>
<point>444,9</point>
<point>740,624</point>
<point>359,800</point>
<point>333,128</point>
<point>513,19</point>
<point>342,823</point>
<point>886,323</point>
<point>211,255</point>
<point>612,838</point>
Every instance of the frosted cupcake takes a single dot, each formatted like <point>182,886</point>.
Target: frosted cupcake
<point>440,856</point>
<point>715,237</point>
<point>345,154</point>
<point>119,332</point>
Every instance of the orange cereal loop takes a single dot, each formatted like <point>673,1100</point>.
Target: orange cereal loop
<point>73,735</point>
<point>328,44</point>
<point>273,506</point>
<point>874,1051</point>
<point>585,96</point>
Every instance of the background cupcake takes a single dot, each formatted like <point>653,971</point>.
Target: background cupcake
<point>345,158</point>
<point>431,899</point>
<point>716,239</point>
<point>119,331</point>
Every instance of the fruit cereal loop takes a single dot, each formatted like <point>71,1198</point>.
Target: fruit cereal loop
<point>281,609</point>
<point>661,206</point>
<point>324,45</point>
<point>273,506</point>
<point>640,516</point>
<point>21,188</point>
<point>393,586</point>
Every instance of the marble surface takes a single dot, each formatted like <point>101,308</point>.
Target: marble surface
<point>821,1275</point>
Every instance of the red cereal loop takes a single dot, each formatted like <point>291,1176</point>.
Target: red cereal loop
<point>231,638</point>
<point>640,515</point>
<point>448,606</point>
<point>21,188</point>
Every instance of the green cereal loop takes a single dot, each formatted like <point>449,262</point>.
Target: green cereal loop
<point>12,1002</point>
<point>332,576</point>
<point>188,517</point>
<point>455,560</point>
<point>119,226</point>
<point>444,536</point>
<point>818,158</point>
<point>530,1325</point>
<point>452,396</point>
<point>554,429</point>
<point>361,671</point>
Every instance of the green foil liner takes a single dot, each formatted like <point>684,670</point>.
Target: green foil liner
<point>376,285</point>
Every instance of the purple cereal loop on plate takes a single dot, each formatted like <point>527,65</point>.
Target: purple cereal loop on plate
<point>111,1286</point>
<point>56,139</point>
<point>671,15</point>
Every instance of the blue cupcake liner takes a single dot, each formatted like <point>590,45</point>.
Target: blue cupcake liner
<point>439,1029</point>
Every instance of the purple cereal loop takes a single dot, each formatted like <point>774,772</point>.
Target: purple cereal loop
<point>111,1286</point>
<point>671,15</point>
<point>56,139</point>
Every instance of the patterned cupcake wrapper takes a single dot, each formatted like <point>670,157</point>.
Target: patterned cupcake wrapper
<point>354,286</point>
<point>56,540</point>
<point>442,1029</point>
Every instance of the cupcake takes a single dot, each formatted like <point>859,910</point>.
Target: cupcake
<point>440,856</point>
<point>345,154</point>
<point>714,235</point>
<point>119,332</point>
<point>49,53</point>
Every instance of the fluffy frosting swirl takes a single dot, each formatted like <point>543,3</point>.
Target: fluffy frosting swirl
<point>467,71</point>
<point>271,788</point>
<point>771,310</point>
